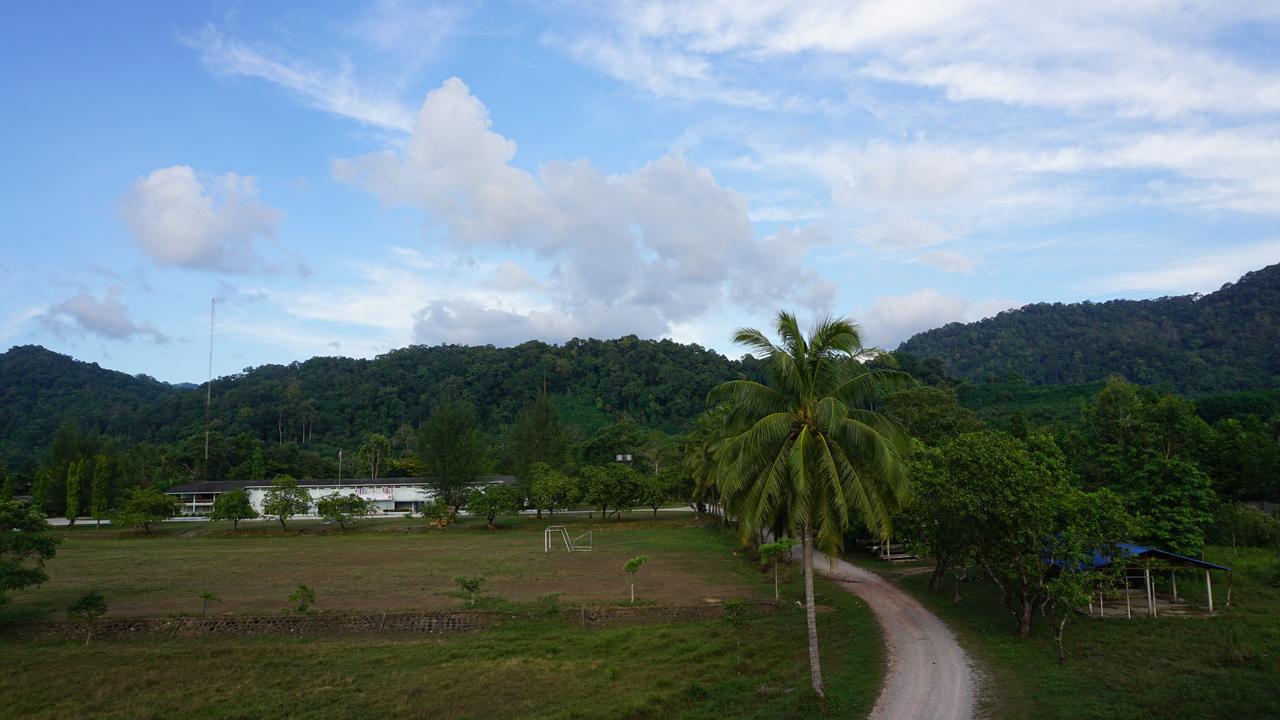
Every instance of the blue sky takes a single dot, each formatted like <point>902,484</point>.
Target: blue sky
<point>351,179</point>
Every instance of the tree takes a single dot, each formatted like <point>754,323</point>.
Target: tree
<point>940,524</point>
<point>470,584</point>
<point>87,609</point>
<point>1172,502</point>
<point>615,485</point>
<point>6,484</point>
<point>233,505</point>
<point>144,506</point>
<point>100,488</point>
<point>808,448</point>
<point>437,510</point>
<point>494,500</point>
<point>655,489</point>
<point>624,437</point>
<point>930,414</point>
<point>536,437</point>
<point>75,473</point>
<point>552,490</point>
<point>1240,524</point>
<point>1012,508</point>
<point>773,554</point>
<point>40,488</point>
<point>453,450</point>
<point>285,499</point>
<point>374,452</point>
<point>631,567</point>
<point>25,543</point>
<point>207,597</point>
<point>343,509</point>
<point>1142,444</point>
<point>303,598</point>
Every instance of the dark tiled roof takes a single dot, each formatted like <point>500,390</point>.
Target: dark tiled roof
<point>219,486</point>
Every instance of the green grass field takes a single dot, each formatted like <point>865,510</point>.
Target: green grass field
<point>538,665</point>
<point>1227,666</point>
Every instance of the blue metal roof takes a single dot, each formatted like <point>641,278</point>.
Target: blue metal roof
<point>1131,551</point>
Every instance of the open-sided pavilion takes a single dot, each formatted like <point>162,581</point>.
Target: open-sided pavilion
<point>1140,564</point>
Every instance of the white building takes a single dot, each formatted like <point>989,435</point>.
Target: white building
<point>385,494</point>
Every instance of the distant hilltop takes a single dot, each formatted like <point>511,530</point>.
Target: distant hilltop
<point>1225,341</point>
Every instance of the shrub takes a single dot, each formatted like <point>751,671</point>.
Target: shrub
<point>303,598</point>
<point>470,584</point>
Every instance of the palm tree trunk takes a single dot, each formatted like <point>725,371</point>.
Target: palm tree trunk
<point>811,615</point>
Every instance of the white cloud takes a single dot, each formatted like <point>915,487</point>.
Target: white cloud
<point>180,220</point>
<point>892,319</point>
<point>337,91</point>
<point>627,253</point>
<point>949,261</point>
<point>1134,59</point>
<point>1204,273</point>
<point>107,318</point>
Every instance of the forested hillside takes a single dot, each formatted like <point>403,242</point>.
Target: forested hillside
<point>1221,342</point>
<point>329,403</point>
<point>39,388</point>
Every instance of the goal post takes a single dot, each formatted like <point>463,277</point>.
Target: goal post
<point>582,543</point>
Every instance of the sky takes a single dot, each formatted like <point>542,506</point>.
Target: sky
<point>344,179</point>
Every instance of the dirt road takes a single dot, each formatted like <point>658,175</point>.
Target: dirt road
<point>929,676</point>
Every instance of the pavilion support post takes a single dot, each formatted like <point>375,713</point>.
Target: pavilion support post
<point>1230,577</point>
<point>1128,609</point>
<point>1173,577</point>
<point>1102,609</point>
<point>1090,604</point>
<point>1208,589</point>
<point>1146,581</point>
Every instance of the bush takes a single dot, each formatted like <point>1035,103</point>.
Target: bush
<point>1241,524</point>
<point>145,506</point>
<point>470,584</point>
<point>303,598</point>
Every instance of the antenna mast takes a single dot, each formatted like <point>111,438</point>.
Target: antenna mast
<point>208,391</point>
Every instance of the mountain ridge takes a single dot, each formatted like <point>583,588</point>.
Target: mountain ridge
<point>1223,341</point>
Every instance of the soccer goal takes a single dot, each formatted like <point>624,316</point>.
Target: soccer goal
<point>582,543</point>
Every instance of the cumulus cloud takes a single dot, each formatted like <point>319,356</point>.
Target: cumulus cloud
<point>183,220</point>
<point>107,318</point>
<point>627,253</point>
<point>894,318</point>
<point>1080,87</point>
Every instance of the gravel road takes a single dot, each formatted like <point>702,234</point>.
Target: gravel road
<point>929,677</point>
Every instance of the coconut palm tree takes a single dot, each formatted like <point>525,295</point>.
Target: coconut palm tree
<point>808,447</point>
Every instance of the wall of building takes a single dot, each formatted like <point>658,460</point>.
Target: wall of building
<point>385,498</point>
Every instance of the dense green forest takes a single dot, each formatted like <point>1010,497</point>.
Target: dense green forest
<point>626,395</point>
<point>296,418</point>
<point>1221,342</point>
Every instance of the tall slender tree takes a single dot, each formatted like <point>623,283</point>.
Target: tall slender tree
<point>452,449</point>
<point>100,488</point>
<point>808,447</point>
<point>75,476</point>
<point>374,452</point>
<point>536,437</point>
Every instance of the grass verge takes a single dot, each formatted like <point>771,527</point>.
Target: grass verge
<point>1224,666</point>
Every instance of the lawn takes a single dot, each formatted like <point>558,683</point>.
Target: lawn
<point>1216,667</point>
<point>380,566</point>
<point>538,665</point>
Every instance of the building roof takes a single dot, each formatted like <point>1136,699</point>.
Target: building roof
<point>1130,551</point>
<point>220,486</point>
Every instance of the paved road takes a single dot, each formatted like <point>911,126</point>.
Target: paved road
<point>929,676</point>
